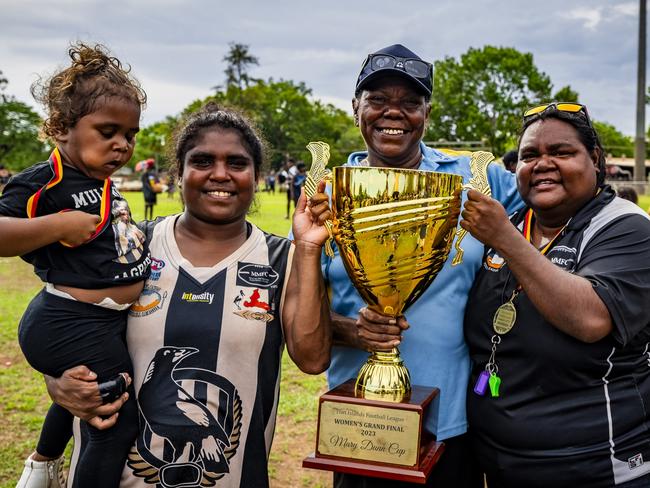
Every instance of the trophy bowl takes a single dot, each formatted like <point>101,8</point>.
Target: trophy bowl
<point>394,229</point>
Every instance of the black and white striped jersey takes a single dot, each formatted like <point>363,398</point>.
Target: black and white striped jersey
<point>206,345</point>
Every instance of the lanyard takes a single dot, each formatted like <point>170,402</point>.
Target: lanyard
<point>505,318</point>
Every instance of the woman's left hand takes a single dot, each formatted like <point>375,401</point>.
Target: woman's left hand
<point>308,226</point>
<point>486,219</point>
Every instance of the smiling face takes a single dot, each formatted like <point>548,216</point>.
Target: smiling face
<point>392,117</point>
<point>102,141</point>
<point>218,180</point>
<point>556,174</point>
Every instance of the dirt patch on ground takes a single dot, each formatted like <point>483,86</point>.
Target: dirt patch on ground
<point>292,443</point>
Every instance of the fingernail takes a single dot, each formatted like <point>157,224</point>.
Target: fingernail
<point>392,321</point>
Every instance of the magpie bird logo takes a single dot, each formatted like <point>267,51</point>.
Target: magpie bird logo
<point>191,420</point>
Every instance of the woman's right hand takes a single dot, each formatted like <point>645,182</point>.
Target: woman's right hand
<point>76,227</point>
<point>77,391</point>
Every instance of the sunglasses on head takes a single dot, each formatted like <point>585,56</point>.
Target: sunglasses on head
<point>412,66</point>
<point>574,108</point>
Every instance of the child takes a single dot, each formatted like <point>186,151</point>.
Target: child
<point>65,217</point>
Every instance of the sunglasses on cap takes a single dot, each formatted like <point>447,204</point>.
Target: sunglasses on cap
<point>574,108</point>
<point>412,66</point>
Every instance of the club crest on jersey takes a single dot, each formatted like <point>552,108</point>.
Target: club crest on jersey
<point>156,268</point>
<point>256,275</point>
<point>188,439</point>
<point>564,257</point>
<point>150,300</point>
<point>493,262</point>
<point>251,305</point>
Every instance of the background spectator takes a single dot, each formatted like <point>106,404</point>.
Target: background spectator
<point>510,160</point>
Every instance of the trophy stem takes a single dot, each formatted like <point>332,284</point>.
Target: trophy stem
<point>384,377</point>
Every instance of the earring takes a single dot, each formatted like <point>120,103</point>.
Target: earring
<point>356,120</point>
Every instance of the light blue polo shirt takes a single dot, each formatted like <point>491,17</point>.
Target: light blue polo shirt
<point>433,348</point>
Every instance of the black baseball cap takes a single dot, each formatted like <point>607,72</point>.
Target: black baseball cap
<point>396,60</point>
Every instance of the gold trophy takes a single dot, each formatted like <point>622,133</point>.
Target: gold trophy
<point>394,229</point>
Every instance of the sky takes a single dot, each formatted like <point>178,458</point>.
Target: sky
<point>176,47</point>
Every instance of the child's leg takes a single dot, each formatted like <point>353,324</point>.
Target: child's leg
<point>56,334</point>
<point>55,433</point>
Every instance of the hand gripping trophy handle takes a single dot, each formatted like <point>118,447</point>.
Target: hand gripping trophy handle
<point>320,154</point>
<point>479,162</point>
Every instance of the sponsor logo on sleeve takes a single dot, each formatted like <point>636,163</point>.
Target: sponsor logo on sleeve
<point>635,461</point>
<point>156,268</point>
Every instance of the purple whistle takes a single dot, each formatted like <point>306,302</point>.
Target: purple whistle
<point>482,383</point>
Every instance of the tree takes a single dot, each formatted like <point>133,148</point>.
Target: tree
<point>483,95</point>
<point>19,125</point>
<point>289,119</point>
<point>239,60</point>
<point>614,142</point>
<point>153,141</point>
<point>566,94</point>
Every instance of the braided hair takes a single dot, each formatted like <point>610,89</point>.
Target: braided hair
<point>92,77</point>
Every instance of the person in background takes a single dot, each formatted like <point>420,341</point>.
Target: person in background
<point>288,173</point>
<point>5,175</point>
<point>628,193</point>
<point>298,181</point>
<point>558,322</point>
<point>510,161</point>
<point>391,105</point>
<point>150,188</point>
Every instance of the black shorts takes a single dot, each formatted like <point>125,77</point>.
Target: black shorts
<point>57,333</point>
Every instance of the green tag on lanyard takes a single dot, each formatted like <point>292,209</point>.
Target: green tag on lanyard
<point>495,383</point>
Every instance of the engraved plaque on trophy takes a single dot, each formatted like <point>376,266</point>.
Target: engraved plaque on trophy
<point>394,229</point>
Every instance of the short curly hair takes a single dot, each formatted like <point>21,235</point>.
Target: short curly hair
<point>92,77</point>
<point>212,116</point>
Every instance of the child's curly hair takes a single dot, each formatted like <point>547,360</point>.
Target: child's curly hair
<point>93,76</point>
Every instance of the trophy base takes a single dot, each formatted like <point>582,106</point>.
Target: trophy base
<point>375,438</point>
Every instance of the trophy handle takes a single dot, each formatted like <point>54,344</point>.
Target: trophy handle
<point>320,155</point>
<point>478,164</point>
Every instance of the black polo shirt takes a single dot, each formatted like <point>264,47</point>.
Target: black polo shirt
<point>569,413</point>
<point>116,255</point>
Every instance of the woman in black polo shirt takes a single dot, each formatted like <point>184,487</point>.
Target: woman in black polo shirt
<point>558,319</point>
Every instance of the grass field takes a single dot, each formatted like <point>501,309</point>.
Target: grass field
<point>24,400</point>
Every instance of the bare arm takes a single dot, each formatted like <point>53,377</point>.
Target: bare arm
<point>305,315</point>
<point>22,235</point>
<point>565,300</point>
